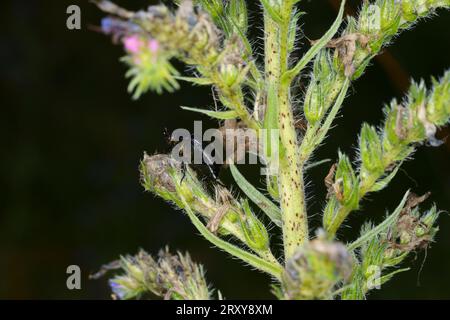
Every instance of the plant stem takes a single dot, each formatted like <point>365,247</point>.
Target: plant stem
<point>294,219</point>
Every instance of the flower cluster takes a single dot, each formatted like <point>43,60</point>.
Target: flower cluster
<point>153,37</point>
<point>315,269</point>
<point>170,276</point>
<point>350,54</point>
<point>408,123</point>
<point>389,244</point>
<point>225,215</point>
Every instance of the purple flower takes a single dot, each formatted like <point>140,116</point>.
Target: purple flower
<point>119,290</point>
<point>153,45</point>
<point>107,25</point>
<point>132,43</point>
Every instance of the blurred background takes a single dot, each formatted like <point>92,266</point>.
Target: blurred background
<point>71,141</point>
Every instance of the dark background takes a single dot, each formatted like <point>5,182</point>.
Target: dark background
<point>71,140</point>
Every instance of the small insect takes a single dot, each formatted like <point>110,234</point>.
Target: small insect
<point>208,168</point>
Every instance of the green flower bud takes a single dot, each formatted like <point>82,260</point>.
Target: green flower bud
<point>315,269</point>
<point>323,68</point>
<point>272,186</point>
<point>322,80</point>
<point>395,130</point>
<point>426,227</point>
<point>438,107</point>
<point>416,119</point>
<point>236,11</point>
<point>330,211</point>
<point>390,17</point>
<point>429,218</point>
<point>158,174</point>
<point>370,19</point>
<point>229,74</point>
<point>255,233</point>
<point>346,185</point>
<point>408,10</point>
<point>371,152</point>
<point>320,93</point>
<point>313,108</point>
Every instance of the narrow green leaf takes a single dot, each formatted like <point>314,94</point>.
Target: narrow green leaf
<point>269,208</point>
<point>196,80</point>
<point>222,115</point>
<point>244,39</point>
<point>381,227</point>
<point>271,11</point>
<point>316,164</point>
<point>382,183</point>
<point>389,276</point>
<point>293,30</point>
<point>314,50</point>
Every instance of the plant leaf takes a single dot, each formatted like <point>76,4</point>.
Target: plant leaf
<point>382,183</point>
<point>271,11</point>
<point>222,115</point>
<point>196,80</point>
<point>269,208</point>
<point>381,227</point>
<point>314,50</point>
<point>389,276</point>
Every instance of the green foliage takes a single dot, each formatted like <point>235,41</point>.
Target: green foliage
<point>210,36</point>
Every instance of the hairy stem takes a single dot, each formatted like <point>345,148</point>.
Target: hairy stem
<point>291,186</point>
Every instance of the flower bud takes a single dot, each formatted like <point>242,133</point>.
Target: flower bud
<point>237,13</point>
<point>346,186</point>
<point>395,129</point>
<point>158,174</point>
<point>272,186</point>
<point>438,108</point>
<point>323,68</point>
<point>371,152</point>
<point>329,213</point>
<point>369,19</point>
<point>314,103</point>
<point>320,89</point>
<point>413,231</point>
<point>170,276</point>
<point>412,9</point>
<point>390,17</point>
<point>255,233</point>
<point>315,269</point>
<point>229,74</point>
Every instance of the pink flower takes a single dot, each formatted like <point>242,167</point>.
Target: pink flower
<point>132,43</point>
<point>153,45</point>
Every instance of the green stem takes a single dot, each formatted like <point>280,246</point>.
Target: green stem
<point>291,185</point>
<point>271,267</point>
